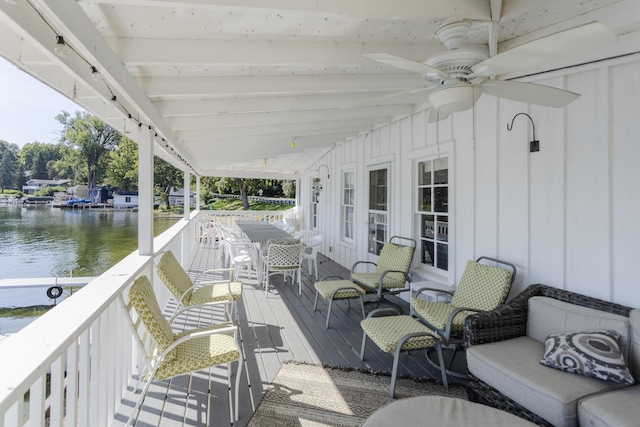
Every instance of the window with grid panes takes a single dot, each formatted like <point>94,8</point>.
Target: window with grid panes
<point>433,212</point>
<point>348,205</point>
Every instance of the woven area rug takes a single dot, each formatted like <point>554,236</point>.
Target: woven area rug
<point>304,395</point>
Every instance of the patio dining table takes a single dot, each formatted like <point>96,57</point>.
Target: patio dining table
<point>261,232</point>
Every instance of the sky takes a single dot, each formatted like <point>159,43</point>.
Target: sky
<point>28,108</point>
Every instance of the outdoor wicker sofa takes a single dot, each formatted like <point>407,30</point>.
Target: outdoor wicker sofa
<point>504,348</point>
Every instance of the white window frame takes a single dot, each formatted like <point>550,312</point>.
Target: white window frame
<point>345,206</point>
<point>418,215</point>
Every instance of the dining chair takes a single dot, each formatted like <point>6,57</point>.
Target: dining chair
<point>310,253</point>
<point>199,294</point>
<point>283,256</point>
<point>169,354</point>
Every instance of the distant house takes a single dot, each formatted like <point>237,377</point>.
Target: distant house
<point>80,191</point>
<point>125,199</point>
<point>101,194</point>
<point>34,185</point>
<point>176,197</point>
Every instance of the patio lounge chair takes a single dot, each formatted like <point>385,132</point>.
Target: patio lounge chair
<point>169,354</point>
<point>433,325</point>
<point>201,294</point>
<point>391,271</point>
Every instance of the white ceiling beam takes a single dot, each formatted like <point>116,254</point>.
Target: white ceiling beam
<point>280,140</point>
<point>278,103</point>
<point>287,117</point>
<point>169,87</point>
<point>293,129</point>
<point>469,9</point>
<point>140,52</point>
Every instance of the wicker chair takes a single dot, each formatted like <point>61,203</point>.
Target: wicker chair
<point>510,321</point>
<point>169,354</point>
<point>197,295</point>
<point>391,271</point>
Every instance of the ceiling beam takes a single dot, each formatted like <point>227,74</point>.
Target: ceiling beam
<point>189,87</point>
<point>469,9</point>
<point>254,53</point>
<point>200,107</point>
<point>288,117</point>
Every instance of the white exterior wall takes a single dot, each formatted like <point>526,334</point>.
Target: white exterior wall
<point>566,216</point>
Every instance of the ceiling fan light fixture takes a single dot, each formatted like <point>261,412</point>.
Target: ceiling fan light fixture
<point>454,98</point>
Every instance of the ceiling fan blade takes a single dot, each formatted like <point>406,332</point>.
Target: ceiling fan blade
<point>406,64</point>
<point>546,49</point>
<point>528,92</point>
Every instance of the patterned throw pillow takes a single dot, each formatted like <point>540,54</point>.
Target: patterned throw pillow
<point>594,354</point>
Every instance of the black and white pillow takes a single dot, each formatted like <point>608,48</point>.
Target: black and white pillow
<point>592,354</point>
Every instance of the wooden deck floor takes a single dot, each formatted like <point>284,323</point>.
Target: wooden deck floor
<point>275,328</point>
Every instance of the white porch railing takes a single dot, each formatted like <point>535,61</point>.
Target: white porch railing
<point>72,366</point>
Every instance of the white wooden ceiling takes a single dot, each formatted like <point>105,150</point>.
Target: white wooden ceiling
<point>228,84</point>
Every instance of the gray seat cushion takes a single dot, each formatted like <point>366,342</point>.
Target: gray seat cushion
<point>513,367</point>
<point>617,408</point>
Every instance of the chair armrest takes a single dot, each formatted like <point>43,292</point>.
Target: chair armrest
<point>418,291</point>
<point>353,267</point>
<point>384,273</point>
<point>380,312</point>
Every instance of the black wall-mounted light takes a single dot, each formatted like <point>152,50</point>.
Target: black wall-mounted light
<point>534,146</point>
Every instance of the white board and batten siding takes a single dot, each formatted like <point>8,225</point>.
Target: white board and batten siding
<point>566,216</point>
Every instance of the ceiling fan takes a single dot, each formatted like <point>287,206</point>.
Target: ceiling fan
<point>457,77</point>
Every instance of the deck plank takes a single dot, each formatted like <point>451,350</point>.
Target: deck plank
<point>275,328</point>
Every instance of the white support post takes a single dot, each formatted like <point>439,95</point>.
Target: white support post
<point>197,192</point>
<point>145,192</point>
<point>187,194</point>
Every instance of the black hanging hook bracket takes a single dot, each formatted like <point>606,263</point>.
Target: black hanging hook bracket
<point>534,146</point>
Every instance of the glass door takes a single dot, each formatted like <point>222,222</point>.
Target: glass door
<point>378,213</point>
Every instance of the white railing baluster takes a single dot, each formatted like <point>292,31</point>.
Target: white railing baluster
<point>36,402</point>
<point>94,369</point>
<point>14,416</point>
<point>83,379</point>
<point>56,398</point>
<point>72,385</point>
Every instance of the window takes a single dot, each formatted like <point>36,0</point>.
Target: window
<point>315,194</point>
<point>127,199</point>
<point>377,210</point>
<point>348,205</point>
<point>433,212</point>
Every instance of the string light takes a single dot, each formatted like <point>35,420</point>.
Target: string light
<point>61,48</point>
<point>293,142</point>
<point>95,74</point>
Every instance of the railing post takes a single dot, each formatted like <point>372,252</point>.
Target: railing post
<point>145,192</point>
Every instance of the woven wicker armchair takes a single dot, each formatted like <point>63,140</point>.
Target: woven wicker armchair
<point>509,321</point>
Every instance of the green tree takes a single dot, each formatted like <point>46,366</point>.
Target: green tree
<point>93,138</point>
<point>39,159</point>
<point>122,171</point>
<point>289,188</point>
<point>8,165</point>
<point>166,176</point>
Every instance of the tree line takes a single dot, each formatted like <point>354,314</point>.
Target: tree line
<point>93,153</point>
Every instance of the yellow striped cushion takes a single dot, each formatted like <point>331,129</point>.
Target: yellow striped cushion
<point>386,332</point>
<point>214,293</point>
<point>199,353</point>
<point>174,276</point>
<point>146,306</point>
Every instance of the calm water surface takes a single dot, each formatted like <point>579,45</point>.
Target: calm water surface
<point>40,241</point>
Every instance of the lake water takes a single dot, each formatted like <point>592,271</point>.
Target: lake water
<point>41,241</point>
